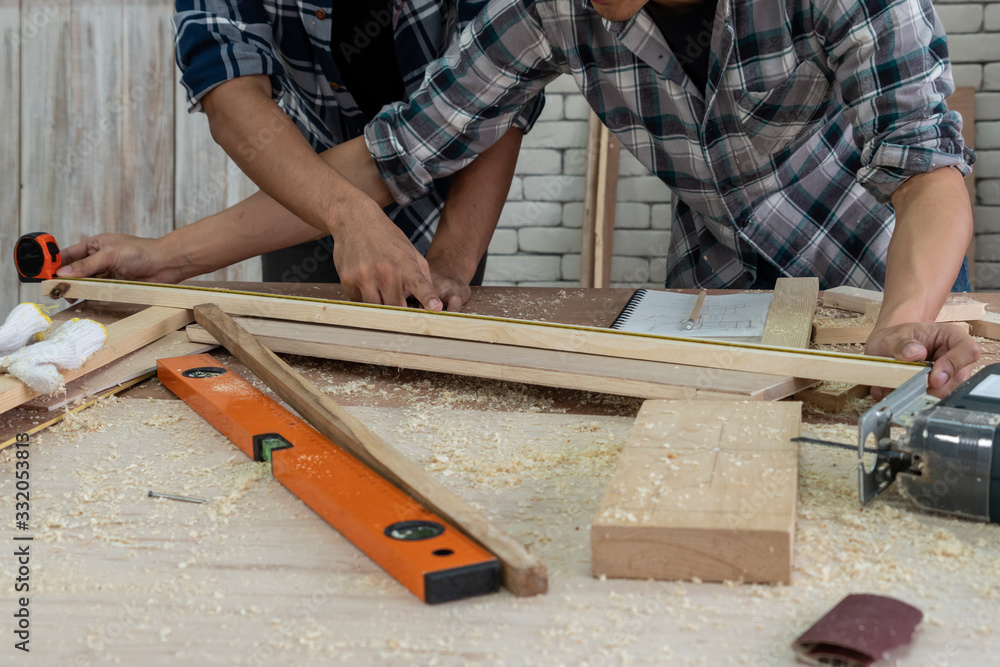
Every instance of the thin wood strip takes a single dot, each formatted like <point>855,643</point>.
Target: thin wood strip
<point>522,572</point>
<point>586,372</point>
<point>83,406</point>
<point>832,398</point>
<point>955,309</point>
<point>133,365</point>
<point>790,314</point>
<point>729,356</point>
<point>124,337</point>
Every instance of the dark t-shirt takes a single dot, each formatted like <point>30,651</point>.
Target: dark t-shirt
<point>369,69</point>
<point>689,36</point>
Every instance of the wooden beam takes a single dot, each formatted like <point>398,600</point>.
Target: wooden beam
<point>522,572</point>
<point>568,370</point>
<point>955,309</point>
<point>790,315</point>
<point>811,364</point>
<point>124,337</point>
<point>703,489</point>
<point>599,205</point>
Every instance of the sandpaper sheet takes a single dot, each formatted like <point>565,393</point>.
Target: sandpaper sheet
<point>859,631</point>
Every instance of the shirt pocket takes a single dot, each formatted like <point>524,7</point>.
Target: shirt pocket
<point>774,118</point>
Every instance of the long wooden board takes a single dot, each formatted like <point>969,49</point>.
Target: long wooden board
<point>124,337</point>
<point>521,572</point>
<point>703,489</point>
<point>568,370</point>
<point>728,356</point>
<point>955,309</point>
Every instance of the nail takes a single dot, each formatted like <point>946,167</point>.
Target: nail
<point>172,496</point>
<point>912,349</point>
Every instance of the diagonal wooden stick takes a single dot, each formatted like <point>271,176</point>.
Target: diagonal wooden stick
<point>522,572</point>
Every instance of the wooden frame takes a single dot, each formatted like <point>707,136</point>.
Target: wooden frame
<point>816,365</point>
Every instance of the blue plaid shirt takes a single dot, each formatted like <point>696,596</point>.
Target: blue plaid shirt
<point>218,40</point>
<point>814,113</point>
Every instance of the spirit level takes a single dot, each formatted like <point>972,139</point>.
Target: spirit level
<point>425,554</point>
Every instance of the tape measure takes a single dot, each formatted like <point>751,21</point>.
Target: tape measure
<point>36,257</point>
<point>424,553</point>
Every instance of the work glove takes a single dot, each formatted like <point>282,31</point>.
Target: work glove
<point>68,348</point>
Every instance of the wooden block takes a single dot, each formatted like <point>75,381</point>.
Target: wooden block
<point>832,396</point>
<point>988,327</point>
<point>124,337</point>
<point>790,315</point>
<point>812,364</point>
<point>568,370</point>
<point>703,489</point>
<point>955,309</point>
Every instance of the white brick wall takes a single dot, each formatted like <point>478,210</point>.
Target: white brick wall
<point>539,239</point>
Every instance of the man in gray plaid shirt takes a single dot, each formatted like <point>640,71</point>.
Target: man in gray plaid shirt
<point>800,137</point>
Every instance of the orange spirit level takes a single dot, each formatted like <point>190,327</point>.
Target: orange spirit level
<point>36,257</point>
<point>425,554</point>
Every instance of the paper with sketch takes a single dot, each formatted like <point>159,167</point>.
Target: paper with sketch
<point>722,315</point>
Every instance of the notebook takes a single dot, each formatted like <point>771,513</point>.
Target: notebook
<point>665,313</point>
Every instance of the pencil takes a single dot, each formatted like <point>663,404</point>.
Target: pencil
<point>695,311</point>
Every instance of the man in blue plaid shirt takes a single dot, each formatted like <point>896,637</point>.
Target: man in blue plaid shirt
<point>284,80</point>
<point>785,133</point>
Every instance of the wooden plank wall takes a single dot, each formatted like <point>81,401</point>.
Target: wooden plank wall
<point>94,121</point>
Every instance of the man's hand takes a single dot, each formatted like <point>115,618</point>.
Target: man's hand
<point>952,350</point>
<point>453,288</point>
<point>378,264</point>
<point>119,256</point>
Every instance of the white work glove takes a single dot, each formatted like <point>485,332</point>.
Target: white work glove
<point>25,322</point>
<point>68,348</point>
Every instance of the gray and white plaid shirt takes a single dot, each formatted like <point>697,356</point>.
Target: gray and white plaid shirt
<point>814,113</point>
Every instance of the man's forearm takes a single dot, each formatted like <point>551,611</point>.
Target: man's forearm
<point>470,215</point>
<point>933,229</point>
<point>267,146</point>
<point>254,226</point>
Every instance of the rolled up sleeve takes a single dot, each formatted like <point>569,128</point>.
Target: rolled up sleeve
<point>215,41</point>
<point>894,75</point>
<point>470,97</point>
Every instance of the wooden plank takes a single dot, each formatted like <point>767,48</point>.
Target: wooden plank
<point>585,372</point>
<point>47,166</point>
<point>790,314</point>
<point>599,205</point>
<point>10,149</point>
<point>124,337</point>
<point>955,309</point>
<point>825,334</point>
<point>147,127</point>
<point>988,327</point>
<point>206,181</point>
<point>96,110</point>
<point>703,490</point>
<point>522,572</point>
<point>137,364</point>
<point>832,396</point>
<point>811,364</point>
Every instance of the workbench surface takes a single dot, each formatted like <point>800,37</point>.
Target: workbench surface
<point>253,577</point>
